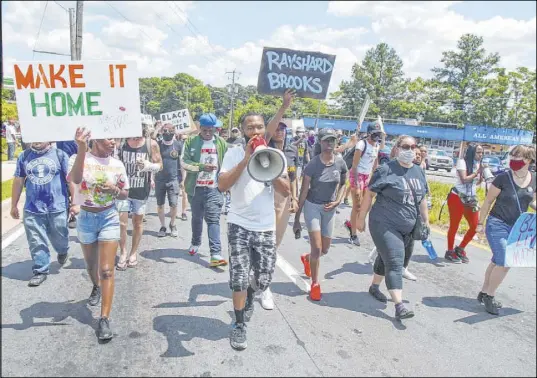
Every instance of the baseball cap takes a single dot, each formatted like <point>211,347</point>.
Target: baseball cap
<point>325,134</point>
<point>209,120</point>
<point>374,128</point>
<point>235,129</point>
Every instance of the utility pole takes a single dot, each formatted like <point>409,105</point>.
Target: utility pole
<point>317,118</point>
<point>79,22</point>
<point>516,106</point>
<point>232,100</point>
<point>187,95</point>
<point>72,33</point>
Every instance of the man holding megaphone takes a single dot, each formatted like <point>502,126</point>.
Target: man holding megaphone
<point>252,175</point>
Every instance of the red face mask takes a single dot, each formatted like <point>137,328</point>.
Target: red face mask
<point>516,165</point>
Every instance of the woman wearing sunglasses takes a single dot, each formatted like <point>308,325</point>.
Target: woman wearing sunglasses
<point>512,192</point>
<point>399,186</point>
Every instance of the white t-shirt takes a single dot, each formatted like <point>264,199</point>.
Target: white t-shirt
<point>11,133</point>
<point>98,171</point>
<point>208,156</point>
<point>368,158</point>
<point>252,202</point>
<point>466,188</point>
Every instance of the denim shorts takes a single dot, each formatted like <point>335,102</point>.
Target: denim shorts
<point>317,219</point>
<point>497,232</point>
<point>134,206</point>
<point>169,189</point>
<point>102,226</point>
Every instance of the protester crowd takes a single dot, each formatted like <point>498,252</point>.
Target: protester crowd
<point>97,185</point>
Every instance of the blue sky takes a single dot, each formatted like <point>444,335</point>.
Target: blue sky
<point>229,35</point>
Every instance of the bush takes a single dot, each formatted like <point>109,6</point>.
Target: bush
<point>439,193</point>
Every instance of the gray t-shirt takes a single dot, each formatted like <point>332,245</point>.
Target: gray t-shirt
<point>394,205</point>
<point>325,179</point>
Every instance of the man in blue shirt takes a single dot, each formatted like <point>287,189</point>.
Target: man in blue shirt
<point>42,170</point>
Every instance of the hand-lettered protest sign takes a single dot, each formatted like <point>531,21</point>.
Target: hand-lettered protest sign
<point>179,118</point>
<point>307,72</point>
<point>521,243</point>
<point>54,98</point>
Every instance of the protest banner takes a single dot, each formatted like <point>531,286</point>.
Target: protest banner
<point>179,118</point>
<point>307,72</point>
<point>54,98</point>
<point>520,250</point>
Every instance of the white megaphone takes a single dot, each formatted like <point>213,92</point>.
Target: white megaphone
<point>266,163</point>
<point>487,175</point>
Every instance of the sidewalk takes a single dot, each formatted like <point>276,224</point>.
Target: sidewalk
<point>8,169</point>
<point>8,223</point>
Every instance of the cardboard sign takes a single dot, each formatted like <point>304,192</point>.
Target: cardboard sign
<point>179,118</point>
<point>307,72</point>
<point>520,250</point>
<point>54,98</point>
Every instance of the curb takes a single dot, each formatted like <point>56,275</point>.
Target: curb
<point>473,243</point>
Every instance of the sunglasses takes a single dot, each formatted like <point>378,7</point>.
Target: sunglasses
<point>407,147</point>
<point>167,132</point>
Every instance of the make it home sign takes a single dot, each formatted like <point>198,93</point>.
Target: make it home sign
<point>55,98</point>
<point>307,72</point>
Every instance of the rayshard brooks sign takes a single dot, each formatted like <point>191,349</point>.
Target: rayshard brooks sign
<point>54,98</point>
<point>307,72</point>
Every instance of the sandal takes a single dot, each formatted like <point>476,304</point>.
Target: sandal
<point>121,266</point>
<point>132,264</point>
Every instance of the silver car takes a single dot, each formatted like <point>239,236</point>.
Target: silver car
<point>438,159</point>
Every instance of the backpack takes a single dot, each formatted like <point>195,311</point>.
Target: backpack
<point>348,154</point>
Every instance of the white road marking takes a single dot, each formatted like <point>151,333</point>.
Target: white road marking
<point>292,273</point>
<point>11,238</point>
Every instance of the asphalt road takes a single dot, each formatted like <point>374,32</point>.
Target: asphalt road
<point>172,314</point>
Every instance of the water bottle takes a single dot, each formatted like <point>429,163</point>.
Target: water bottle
<point>430,249</point>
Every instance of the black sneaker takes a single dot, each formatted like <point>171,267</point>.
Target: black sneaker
<point>162,232</point>
<point>173,231</point>
<point>72,222</point>
<point>184,217</point>
<point>490,305</point>
<point>104,332</point>
<point>480,299</point>
<point>237,338</point>
<point>346,201</point>
<point>62,258</point>
<point>453,257</point>
<point>37,279</point>
<point>403,313</point>
<point>462,255</point>
<point>248,309</point>
<point>95,296</point>
<point>375,292</point>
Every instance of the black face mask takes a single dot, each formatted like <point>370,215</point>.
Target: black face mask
<point>167,137</point>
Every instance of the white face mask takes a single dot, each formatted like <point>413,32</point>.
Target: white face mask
<point>406,156</point>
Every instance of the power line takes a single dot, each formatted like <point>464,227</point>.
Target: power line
<point>65,9</point>
<point>126,19</point>
<point>39,31</point>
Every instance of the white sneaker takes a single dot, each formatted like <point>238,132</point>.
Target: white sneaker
<point>193,249</point>
<point>267,302</point>
<point>373,255</point>
<point>408,275</point>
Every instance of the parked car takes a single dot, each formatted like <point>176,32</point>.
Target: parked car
<point>438,159</point>
<point>494,163</point>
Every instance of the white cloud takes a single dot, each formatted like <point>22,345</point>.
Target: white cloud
<point>155,35</point>
<point>420,31</point>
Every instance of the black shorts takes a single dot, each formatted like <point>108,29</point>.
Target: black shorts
<point>171,189</point>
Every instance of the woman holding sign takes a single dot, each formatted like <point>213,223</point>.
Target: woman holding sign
<point>100,180</point>
<point>512,192</point>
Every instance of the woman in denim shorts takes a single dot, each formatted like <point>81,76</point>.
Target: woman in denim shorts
<point>100,179</point>
<point>513,191</point>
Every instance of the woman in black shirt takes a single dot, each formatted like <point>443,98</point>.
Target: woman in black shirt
<point>514,192</point>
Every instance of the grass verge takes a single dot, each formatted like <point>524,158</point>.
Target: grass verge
<point>6,189</point>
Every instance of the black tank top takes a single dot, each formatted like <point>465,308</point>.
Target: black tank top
<point>140,182</point>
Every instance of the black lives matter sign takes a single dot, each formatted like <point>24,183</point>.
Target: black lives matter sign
<point>307,72</point>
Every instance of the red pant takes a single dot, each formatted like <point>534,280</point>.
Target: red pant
<point>456,211</point>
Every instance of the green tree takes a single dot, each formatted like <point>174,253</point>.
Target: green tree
<point>465,72</point>
<point>380,74</point>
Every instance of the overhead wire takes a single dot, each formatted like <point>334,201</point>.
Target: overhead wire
<point>39,31</point>
<point>65,9</point>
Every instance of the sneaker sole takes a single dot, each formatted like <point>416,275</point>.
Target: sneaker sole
<point>409,315</point>
<point>238,346</point>
<point>105,337</point>
<point>454,261</point>
<point>94,304</point>
<point>218,263</point>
